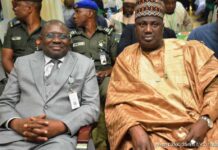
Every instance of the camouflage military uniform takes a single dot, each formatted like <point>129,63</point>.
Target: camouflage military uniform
<point>18,39</point>
<point>101,48</point>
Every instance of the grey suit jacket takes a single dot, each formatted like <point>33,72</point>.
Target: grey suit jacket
<point>24,94</point>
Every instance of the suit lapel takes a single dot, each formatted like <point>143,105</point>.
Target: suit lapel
<point>64,73</point>
<point>37,66</point>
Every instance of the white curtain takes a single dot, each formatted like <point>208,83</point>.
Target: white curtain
<point>51,9</point>
<point>7,9</point>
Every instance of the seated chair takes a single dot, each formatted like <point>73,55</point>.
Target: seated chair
<point>84,141</point>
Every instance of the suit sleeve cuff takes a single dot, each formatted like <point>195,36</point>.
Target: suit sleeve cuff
<point>7,123</point>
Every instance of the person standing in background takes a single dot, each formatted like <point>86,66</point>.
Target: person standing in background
<point>176,17</point>
<point>68,10</point>
<point>124,17</point>
<point>22,32</point>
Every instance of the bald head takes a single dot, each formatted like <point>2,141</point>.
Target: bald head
<point>54,23</point>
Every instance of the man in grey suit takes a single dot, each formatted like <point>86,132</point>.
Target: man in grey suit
<point>49,95</point>
<point>3,78</point>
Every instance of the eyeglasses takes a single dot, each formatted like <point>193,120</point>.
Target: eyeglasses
<point>61,36</point>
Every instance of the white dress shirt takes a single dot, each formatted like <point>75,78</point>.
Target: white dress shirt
<point>49,65</point>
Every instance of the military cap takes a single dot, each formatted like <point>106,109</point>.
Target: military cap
<point>86,4</point>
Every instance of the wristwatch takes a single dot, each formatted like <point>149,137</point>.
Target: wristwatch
<point>208,120</point>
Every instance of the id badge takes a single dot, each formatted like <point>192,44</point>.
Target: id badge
<point>74,101</point>
<point>103,58</point>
